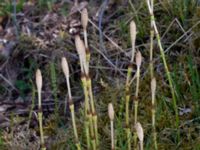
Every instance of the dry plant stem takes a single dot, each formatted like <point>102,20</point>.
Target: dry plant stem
<point>166,67</point>
<point>39,88</point>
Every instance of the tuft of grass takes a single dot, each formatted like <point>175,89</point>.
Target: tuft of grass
<point>194,83</point>
<point>54,87</point>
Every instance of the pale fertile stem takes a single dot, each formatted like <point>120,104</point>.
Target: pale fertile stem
<point>84,20</point>
<point>82,54</point>
<point>65,68</point>
<point>133,37</point>
<point>138,59</point>
<point>39,86</point>
<point>111,111</point>
<point>153,89</point>
<point>140,134</point>
<point>111,116</point>
<point>138,63</point>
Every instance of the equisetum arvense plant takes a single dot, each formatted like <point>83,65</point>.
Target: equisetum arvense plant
<point>138,60</point>
<point>81,52</point>
<point>111,114</point>
<point>153,93</point>
<point>40,114</point>
<point>128,82</point>
<point>153,80</point>
<point>87,86</point>
<point>140,134</point>
<point>84,21</point>
<point>65,69</point>
<point>149,4</point>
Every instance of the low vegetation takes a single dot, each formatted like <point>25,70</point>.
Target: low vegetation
<point>129,81</point>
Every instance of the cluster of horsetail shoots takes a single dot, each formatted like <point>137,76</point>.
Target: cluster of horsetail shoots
<point>90,120</point>
<point>65,69</point>
<point>111,114</point>
<point>81,52</point>
<point>40,114</point>
<point>150,8</point>
<point>140,134</point>
<point>128,82</point>
<point>90,112</point>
